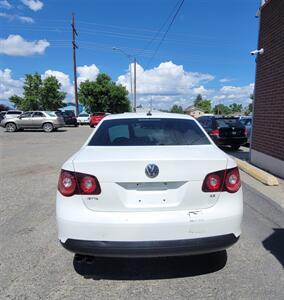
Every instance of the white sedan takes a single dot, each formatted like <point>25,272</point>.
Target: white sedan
<point>83,118</point>
<point>149,185</point>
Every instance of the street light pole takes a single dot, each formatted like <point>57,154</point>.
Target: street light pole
<point>134,102</point>
<point>130,57</point>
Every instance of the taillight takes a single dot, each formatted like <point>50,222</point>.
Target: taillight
<point>213,182</point>
<point>246,132</point>
<point>232,181</point>
<point>224,180</point>
<point>74,183</point>
<point>88,184</point>
<point>215,132</point>
<point>67,183</point>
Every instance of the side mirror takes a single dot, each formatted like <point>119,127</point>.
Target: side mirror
<point>19,117</point>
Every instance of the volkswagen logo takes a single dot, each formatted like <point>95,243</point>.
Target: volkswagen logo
<point>152,170</point>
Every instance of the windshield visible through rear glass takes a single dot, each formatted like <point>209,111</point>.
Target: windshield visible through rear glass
<point>148,132</point>
<point>232,122</point>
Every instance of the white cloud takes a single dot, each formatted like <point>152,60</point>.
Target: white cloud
<point>8,85</point>
<point>5,4</point>
<point>229,94</point>
<point>63,78</point>
<point>23,19</point>
<point>34,5</point>
<point>167,78</point>
<point>87,72</point>
<point>15,45</point>
<point>224,80</point>
<point>176,86</point>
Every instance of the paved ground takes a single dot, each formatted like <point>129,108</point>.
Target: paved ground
<point>34,266</point>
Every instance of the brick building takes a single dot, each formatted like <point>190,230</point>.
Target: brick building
<point>267,150</point>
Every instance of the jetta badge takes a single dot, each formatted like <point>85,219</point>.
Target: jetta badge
<point>152,170</point>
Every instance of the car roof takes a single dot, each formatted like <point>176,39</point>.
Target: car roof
<point>147,115</point>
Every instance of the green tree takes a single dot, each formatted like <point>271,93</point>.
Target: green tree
<point>40,94</point>
<point>103,95</point>
<point>51,98</point>
<point>236,108</point>
<point>176,109</point>
<point>203,104</point>
<point>221,109</point>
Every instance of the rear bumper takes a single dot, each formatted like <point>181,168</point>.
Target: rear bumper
<point>151,248</point>
<point>230,140</point>
<point>58,125</point>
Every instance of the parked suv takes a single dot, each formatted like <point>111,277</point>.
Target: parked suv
<point>96,118</point>
<point>70,118</point>
<point>46,120</point>
<point>225,131</point>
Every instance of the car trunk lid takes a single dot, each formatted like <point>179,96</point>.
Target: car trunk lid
<point>126,187</point>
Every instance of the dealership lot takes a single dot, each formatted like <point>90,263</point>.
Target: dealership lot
<point>34,265</point>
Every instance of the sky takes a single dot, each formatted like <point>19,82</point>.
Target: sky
<point>206,50</point>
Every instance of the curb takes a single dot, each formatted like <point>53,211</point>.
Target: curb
<point>257,173</point>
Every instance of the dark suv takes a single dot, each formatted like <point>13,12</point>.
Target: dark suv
<point>225,131</point>
<point>69,117</point>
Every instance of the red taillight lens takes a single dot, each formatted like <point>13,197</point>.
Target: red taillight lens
<point>213,182</point>
<point>233,181</point>
<point>215,132</point>
<point>88,184</point>
<point>224,180</point>
<point>67,183</point>
<point>73,183</point>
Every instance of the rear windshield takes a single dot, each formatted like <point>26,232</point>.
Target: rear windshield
<point>228,122</point>
<point>83,115</point>
<point>246,122</point>
<point>69,113</point>
<point>99,114</point>
<point>14,112</point>
<point>54,113</point>
<point>148,132</point>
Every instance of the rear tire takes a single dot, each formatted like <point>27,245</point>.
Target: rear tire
<point>235,147</point>
<point>47,127</point>
<point>92,126</point>
<point>11,127</point>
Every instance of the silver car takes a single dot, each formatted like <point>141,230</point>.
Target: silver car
<point>46,120</point>
<point>247,122</point>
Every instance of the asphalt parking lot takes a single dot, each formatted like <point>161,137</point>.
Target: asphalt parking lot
<point>33,265</point>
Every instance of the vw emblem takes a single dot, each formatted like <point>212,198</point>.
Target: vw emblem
<point>152,170</point>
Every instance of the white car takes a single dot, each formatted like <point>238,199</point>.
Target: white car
<point>83,118</point>
<point>149,185</point>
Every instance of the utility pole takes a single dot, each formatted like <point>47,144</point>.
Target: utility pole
<point>134,105</point>
<point>74,46</point>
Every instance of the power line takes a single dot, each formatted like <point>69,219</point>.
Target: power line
<point>161,28</point>
<point>168,29</point>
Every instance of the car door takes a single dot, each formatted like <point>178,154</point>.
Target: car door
<point>25,120</point>
<point>38,119</point>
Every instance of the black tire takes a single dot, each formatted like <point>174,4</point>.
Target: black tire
<point>92,126</point>
<point>76,125</point>
<point>47,127</point>
<point>11,127</point>
<point>235,147</point>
